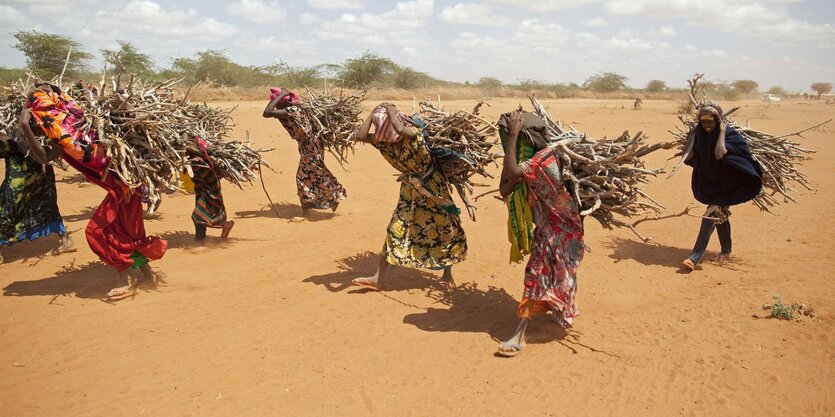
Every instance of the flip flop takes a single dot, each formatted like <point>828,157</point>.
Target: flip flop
<point>514,349</point>
<point>688,264</point>
<point>365,283</point>
<point>130,292</point>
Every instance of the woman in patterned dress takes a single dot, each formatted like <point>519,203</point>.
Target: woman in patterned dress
<point>316,186</point>
<point>209,210</point>
<point>28,199</point>
<point>425,230</point>
<point>116,231</point>
<point>557,247</point>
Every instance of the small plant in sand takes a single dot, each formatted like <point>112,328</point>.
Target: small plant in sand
<point>782,311</point>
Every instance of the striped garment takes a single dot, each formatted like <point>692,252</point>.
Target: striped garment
<point>209,210</point>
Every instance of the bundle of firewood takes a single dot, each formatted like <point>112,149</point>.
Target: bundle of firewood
<point>334,119</point>
<point>142,126</point>
<point>467,135</point>
<point>778,155</point>
<point>604,175</point>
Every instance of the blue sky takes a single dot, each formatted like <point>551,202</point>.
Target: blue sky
<point>790,43</point>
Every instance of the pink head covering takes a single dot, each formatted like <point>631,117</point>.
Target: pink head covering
<point>291,96</point>
<point>383,129</point>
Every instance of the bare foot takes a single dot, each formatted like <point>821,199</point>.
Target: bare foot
<point>723,257</point>
<point>369,283</point>
<point>335,205</point>
<point>121,293</point>
<point>688,264</point>
<point>227,227</point>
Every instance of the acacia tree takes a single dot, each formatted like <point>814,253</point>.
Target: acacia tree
<point>777,91</point>
<point>133,60</point>
<point>606,82</point>
<point>745,86</point>
<point>46,53</point>
<point>822,88</point>
<point>368,67</point>
<point>656,86</point>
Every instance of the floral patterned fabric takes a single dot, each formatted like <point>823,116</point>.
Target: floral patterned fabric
<point>557,249</point>
<point>28,200</point>
<point>317,187</point>
<point>422,233</point>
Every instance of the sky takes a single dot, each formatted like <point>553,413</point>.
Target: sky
<point>786,43</point>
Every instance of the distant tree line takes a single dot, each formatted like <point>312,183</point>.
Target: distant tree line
<point>46,54</point>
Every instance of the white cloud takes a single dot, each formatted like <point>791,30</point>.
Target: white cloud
<point>543,5</point>
<point>715,53</point>
<point>336,4</point>
<point>587,38</point>
<point>634,44</point>
<point>393,28</point>
<point>257,11</point>
<point>473,14</point>
<point>11,17</point>
<point>597,22</point>
<point>690,47</point>
<point>308,19</point>
<point>667,31</point>
<point>470,41</point>
<point>149,18</point>
<point>540,35</point>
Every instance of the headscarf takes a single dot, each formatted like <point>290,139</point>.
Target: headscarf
<point>711,108</point>
<point>290,98</point>
<point>383,129</point>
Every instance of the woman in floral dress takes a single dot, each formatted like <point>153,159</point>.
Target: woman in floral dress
<point>28,199</point>
<point>317,187</point>
<point>557,247</point>
<point>425,229</point>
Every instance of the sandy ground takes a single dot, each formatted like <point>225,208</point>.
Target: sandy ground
<point>267,323</point>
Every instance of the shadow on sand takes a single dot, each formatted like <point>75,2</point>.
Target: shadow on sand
<point>91,280</point>
<point>663,255</point>
<point>469,308</point>
<point>286,211</point>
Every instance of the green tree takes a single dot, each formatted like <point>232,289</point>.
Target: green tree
<point>745,86</point>
<point>822,88</point>
<point>135,62</point>
<point>606,82</point>
<point>777,91</point>
<point>367,68</point>
<point>410,79</point>
<point>489,85</point>
<point>656,86</point>
<point>46,53</point>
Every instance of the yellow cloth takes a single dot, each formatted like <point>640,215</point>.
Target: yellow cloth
<point>188,184</point>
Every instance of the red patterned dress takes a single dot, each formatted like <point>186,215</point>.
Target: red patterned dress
<point>557,248</point>
<point>116,232</point>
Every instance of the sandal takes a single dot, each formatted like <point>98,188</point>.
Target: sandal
<point>509,350</point>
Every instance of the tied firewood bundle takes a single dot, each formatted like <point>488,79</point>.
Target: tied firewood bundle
<point>777,155</point>
<point>461,145</point>
<point>334,120</point>
<point>605,176</point>
<point>142,125</point>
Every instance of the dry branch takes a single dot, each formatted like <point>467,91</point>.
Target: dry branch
<point>467,135</point>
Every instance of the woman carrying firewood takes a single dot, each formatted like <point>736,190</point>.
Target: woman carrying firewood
<point>425,230</point>
<point>209,210</point>
<point>317,187</point>
<point>28,199</point>
<point>724,174</point>
<point>116,232</point>
<point>557,246</point>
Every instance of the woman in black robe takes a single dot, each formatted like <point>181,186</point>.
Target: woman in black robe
<point>724,174</point>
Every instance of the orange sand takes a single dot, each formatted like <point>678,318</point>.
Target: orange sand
<point>267,324</point>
